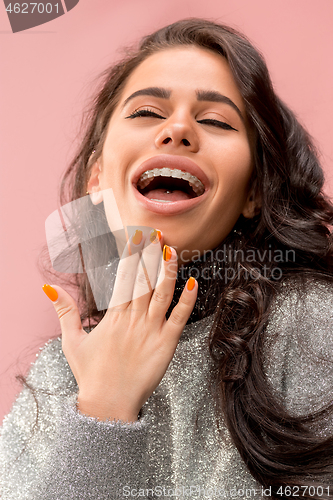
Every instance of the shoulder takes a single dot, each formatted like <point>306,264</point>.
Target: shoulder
<point>298,343</point>
<point>303,305</point>
<point>37,408</point>
<point>51,371</point>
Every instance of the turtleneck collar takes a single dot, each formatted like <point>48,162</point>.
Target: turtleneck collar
<point>205,271</point>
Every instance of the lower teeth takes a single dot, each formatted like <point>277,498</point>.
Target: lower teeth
<point>162,201</point>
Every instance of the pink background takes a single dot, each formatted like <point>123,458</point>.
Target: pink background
<point>46,77</point>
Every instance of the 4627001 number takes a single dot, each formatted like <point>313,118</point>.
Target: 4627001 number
<point>30,8</point>
<point>301,491</point>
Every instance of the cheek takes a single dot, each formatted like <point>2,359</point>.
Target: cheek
<point>235,168</point>
<point>120,150</point>
<point>113,164</point>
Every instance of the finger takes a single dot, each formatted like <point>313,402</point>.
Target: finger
<point>152,256</point>
<point>163,293</point>
<point>147,270</point>
<point>180,314</point>
<point>126,272</point>
<point>68,314</point>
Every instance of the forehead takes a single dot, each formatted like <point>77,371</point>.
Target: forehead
<point>185,69</point>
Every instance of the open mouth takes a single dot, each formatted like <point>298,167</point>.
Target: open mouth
<point>167,185</point>
<point>170,185</point>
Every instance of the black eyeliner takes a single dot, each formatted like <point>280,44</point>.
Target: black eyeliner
<point>223,125</point>
<point>144,112</point>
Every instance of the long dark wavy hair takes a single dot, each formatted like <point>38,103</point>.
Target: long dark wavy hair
<point>279,449</point>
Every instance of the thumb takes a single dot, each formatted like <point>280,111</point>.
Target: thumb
<point>67,311</point>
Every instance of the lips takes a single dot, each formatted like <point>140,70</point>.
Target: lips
<point>172,162</point>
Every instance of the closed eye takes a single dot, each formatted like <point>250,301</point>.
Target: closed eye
<point>217,123</point>
<point>144,112</point>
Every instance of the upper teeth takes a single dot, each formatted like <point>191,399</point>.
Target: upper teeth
<point>193,181</point>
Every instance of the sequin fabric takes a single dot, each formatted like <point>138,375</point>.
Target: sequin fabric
<point>174,449</point>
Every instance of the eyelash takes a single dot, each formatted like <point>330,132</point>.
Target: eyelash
<point>148,112</point>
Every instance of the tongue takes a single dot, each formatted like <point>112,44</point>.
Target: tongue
<point>164,195</point>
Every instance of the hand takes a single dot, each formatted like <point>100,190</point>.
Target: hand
<point>122,360</point>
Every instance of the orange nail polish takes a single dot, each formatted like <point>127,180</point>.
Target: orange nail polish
<point>190,283</point>
<point>155,236</point>
<point>137,237</point>
<point>167,252</point>
<point>50,292</point>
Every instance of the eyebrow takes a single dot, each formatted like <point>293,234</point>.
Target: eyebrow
<point>152,91</point>
<point>202,95</point>
<point>214,96</point>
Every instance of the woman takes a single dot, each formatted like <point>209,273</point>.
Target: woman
<point>214,387</point>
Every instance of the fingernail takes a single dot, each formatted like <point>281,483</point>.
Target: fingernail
<point>190,283</point>
<point>50,292</point>
<point>155,236</point>
<point>167,252</point>
<point>137,237</point>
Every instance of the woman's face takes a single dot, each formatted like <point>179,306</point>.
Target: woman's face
<point>180,110</point>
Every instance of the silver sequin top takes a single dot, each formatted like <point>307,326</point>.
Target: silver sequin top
<point>175,449</point>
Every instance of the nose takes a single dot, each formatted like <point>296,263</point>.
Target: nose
<point>177,133</point>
